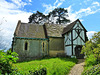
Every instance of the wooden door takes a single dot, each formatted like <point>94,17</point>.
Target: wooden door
<point>78,54</point>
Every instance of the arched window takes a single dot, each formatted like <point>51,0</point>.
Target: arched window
<point>43,46</point>
<point>26,45</point>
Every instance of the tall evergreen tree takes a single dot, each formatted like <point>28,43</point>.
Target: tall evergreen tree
<point>57,16</point>
<point>37,18</point>
<point>60,15</point>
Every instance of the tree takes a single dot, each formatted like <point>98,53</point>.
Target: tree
<point>96,38</point>
<point>57,16</point>
<point>92,48</point>
<point>37,18</point>
<point>60,15</point>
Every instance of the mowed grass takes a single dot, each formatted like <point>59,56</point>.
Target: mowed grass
<point>54,66</point>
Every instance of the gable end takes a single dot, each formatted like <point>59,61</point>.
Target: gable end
<point>70,27</point>
<point>17,28</point>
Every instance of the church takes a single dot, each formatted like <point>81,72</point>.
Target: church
<point>33,41</point>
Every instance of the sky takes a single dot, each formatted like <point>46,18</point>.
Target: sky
<point>88,11</point>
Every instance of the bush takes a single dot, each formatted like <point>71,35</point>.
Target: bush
<point>92,50</point>
<point>42,71</point>
<point>92,54</point>
<point>91,60</point>
<point>94,70</point>
<point>6,60</point>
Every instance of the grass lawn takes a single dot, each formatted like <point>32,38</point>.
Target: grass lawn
<point>54,66</point>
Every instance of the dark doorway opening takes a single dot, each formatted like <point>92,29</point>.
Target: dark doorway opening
<point>78,54</point>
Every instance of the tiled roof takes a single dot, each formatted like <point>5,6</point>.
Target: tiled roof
<point>54,30</point>
<point>42,31</point>
<point>68,27</point>
<point>29,30</point>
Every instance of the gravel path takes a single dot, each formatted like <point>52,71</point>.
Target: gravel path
<point>78,68</point>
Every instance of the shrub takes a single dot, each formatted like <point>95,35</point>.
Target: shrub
<point>6,60</point>
<point>92,54</point>
<point>42,71</point>
<point>94,70</point>
<point>92,49</point>
<point>91,60</point>
<point>88,49</point>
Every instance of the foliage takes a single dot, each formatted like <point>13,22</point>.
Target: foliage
<point>96,38</point>
<point>6,60</point>
<point>92,47</point>
<point>60,14</point>
<point>41,71</point>
<point>91,60</point>
<point>93,70</point>
<point>92,53</point>
<point>88,48</point>
<point>57,16</point>
<point>37,18</point>
<point>54,66</point>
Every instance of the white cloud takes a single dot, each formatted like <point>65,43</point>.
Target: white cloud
<point>62,0</point>
<point>96,3</point>
<point>19,3</point>
<point>6,5</point>
<point>30,0</point>
<point>87,1</point>
<point>92,9</point>
<point>72,16</point>
<point>9,16</point>
<point>50,7</point>
<point>90,34</point>
<point>59,4</point>
<point>56,2</point>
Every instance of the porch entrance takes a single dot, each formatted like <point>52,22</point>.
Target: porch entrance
<point>78,54</point>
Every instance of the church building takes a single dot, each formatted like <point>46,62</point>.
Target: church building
<point>33,41</point>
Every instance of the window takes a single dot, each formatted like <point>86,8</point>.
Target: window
<point>43,46</point>
<point>26,45</point>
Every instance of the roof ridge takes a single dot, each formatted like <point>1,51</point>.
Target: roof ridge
<point>69,26</point>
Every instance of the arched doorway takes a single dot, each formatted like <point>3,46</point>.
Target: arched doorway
<point>78,54</point>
